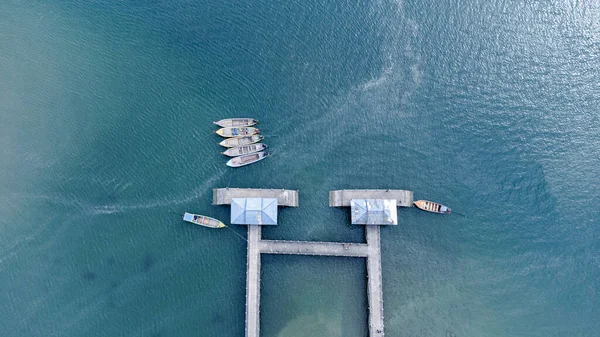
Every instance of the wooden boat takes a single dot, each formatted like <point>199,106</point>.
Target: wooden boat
<point>247,159</point>
<point>203,220</point>
<point>246,149</point>
<point>240,141</point>
<point>236,122</point>
<point>235,132</point>
<point>433,207</point>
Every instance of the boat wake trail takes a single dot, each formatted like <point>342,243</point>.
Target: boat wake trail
<point>85,207</point>
<point>197,193</point>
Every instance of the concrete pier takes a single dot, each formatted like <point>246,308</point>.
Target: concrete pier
<point>253,283</point>
<point>371,250</point>
<point>375,284</point>
<point>313,248</point>
<point>341,198</point>
<point>223,196</point>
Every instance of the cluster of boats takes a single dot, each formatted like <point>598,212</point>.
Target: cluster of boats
<point>242,140</point>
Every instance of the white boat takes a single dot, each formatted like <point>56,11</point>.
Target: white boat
<point>246,149</point>
<point>240,141</point>
<point>202,220</point>
<point>236,122</point>
<point>433,207</point>
<point>235,132</point>
<point>247,159</point>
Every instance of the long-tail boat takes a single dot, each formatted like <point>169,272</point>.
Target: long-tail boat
<point>235,132</point>
<point>247,159</point>
<point>233,122</point>
<point>239,141</point>
<point>433,207</point>
<point>202,220</point>
<point>246,149</point>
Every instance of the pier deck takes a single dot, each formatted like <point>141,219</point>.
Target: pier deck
<point>341,198</point>
<point>375,285</point>
<point>313,248</point>
<point>223,196</point>
<point>371,250</point>
<point>253,283</point>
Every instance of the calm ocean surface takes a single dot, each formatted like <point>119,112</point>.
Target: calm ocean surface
<point>491,107</point>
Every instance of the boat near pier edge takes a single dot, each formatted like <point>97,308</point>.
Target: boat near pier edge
<point>247,159</point>
<point>237,131</point>
<point>246,149</point>
<point>202,220</point>
<point>433,207</point>
<point>236,122</point>
<point>240,141</point>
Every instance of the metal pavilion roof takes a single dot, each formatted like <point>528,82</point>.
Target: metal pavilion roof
<point>374,212</point>
<point>254,211</point>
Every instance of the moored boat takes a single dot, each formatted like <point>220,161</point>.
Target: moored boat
<point>235,132</point>
<point>240,141</point>
<point>247,159</point>
<point>233,122</point>
<point>433,207</point>
<point>203,220</point>
<point>246,149</point>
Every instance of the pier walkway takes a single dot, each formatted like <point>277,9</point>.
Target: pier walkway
<point>371,250</point>
<point>253,283</point>
<point>374,284</point>
<point>313,248</point>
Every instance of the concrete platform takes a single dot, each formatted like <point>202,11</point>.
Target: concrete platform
<point>341,198</point>
<point>223,196</point>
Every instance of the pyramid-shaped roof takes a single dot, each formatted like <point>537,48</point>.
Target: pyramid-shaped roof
<point>374,212</point>
<point>254,211</point>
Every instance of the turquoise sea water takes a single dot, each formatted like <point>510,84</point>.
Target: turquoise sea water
<point>491,107</point>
